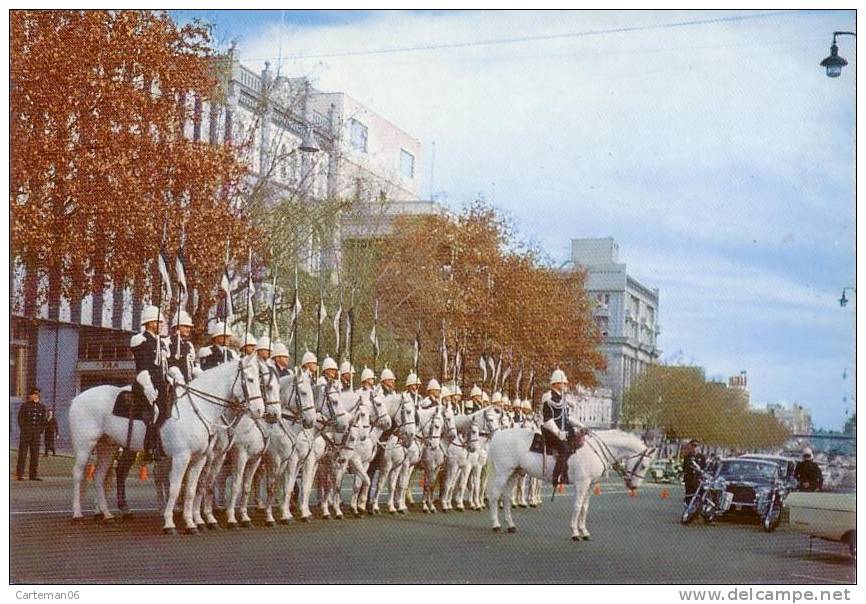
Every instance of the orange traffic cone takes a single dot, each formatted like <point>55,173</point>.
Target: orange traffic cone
<point>562,488</point>
<point>632,493</point>
<point>421,482</point>
<point>665,493</point>
<point>90,472</point>
<point>597,490</point>
<point>142,472</point>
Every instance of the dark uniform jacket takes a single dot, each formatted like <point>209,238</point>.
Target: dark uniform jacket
<point>283,372</point>
<point>31,418</point>
<point>184,358</point>
<point>144,351</point>
<point>691,476</point>
<point>213,355</point>
<point>808,475</point>
<point>555,408</point>
<point>51,431</point>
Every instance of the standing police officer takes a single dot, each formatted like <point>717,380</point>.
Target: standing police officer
<point>808,473</point>
<point>31,422</point>
<point>691,474</point>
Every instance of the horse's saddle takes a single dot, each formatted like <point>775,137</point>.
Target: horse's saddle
<point>130,406</point>
<point>575,441</point>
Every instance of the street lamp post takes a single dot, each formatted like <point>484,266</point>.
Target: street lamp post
<point>843,301</point>
<point>834,63</point>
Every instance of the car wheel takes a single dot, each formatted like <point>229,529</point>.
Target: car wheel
<point>852,544</point>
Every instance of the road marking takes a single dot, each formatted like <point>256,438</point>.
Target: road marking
<point>819,579</point>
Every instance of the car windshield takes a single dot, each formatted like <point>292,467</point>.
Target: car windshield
<point>742,468</point>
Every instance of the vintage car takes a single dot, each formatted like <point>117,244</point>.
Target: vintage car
<point>755,485</point>
<point>664,470</point>
<point>787,465</point>
<point>830,516</point>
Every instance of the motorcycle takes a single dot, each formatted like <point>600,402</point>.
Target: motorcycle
<point>769,506</point>
<point>710,500</point>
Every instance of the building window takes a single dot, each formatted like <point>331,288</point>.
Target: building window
<point>358,135</point>
<point>17,369</point>
<point>407,164</point>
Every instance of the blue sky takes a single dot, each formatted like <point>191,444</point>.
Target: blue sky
<point>718,155</point>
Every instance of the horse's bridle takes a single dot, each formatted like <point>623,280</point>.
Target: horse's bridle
<point>619,466</point>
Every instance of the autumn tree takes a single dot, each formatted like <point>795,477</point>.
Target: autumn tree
<point>465,278</point>
<point>100,159</point>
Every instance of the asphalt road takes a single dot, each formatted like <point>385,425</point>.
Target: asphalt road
<point>635,540</point>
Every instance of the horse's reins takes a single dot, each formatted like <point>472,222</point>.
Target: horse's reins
<point>615,463</point>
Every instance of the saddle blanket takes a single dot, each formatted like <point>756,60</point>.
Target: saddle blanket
<point>575,442</point>
<point>126,404</point>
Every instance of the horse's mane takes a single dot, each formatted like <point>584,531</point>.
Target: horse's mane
<point>621,438</point>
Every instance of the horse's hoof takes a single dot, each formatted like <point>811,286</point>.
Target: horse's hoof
<point>110,520</point>
<point>213,526</point>
<point>270,523</point>
<point>496,529</point>
<point>512,529</point>
<point>77,520</point>
<point>169,531</point>
<point>340,517</point>
<point>127,517</point>
<point>99,516</point>
<point>404,511</point>
<point>392,512</point>
<point>192,530</point>
<point>305,519</point>
<point>575,537</point>
<point>232,526</point>
<point>326,516</point>
<point>587,538</point>
<point>285,521</point>
<point>247,523</point>
<point>461,509</point>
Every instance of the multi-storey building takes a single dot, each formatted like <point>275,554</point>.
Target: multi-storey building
<point>795,417</point>
<point>626,312</point>
<point>303,141</point>
<point>593,406</point>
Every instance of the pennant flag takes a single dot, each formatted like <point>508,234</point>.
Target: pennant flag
<point>296,307</point>
<point>323,314</point>
<point>337,317</point>
<point>226,286</point>
<point>373,338</point>
<point>416,352</point>
<point>492,364</point>
<point>483,366</point>
<point>506,374</point>
<point>350,317</point>
<point>182,290</point>
<point>458,361</point>
<point>163,273</point>
<point>519,378</point>
<point>498,370</point>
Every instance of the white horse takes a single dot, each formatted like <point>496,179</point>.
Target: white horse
<point>186,436</point>
<point>399,454</point>
<point>250,438</point>
<point>488,421</point>
<point>463,449</point>
<point>510,456</point>
<point>371,418</point>
<point>281,458</point>
<point>432,450</point>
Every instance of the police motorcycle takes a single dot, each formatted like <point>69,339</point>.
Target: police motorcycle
<point>769,503</point>
<point>710,500</point>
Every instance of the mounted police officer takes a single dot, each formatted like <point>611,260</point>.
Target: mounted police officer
<point>218,352</point>
<point>150,352</point>
<point>507,415</point>
<point>263,348</point>
<point>346,373</point>
<point>181,352</point>
<point>309,366</point>
<point>473,403</point>
<point>248,344</point>
<point>387,382</point>
<point>280,356</point>
<point>329,376</point>
<point>432,398</point>
<point>556,424</point>
<point>367,380</point>
<point>445,398</point>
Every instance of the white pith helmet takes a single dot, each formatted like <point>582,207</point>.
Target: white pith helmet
<point>445,393</point>
<point>807,452</point>
<point>367,374</point>
<point>387,374</point>
<point>506,402</point>
<point>248,340</point>
<point>527,405</point>
<point>151,313</point>
<point>433,385</point>
<point>476,391</point>
<point>346,367</point>
<point>412,380</point>
<point>182,319</point>
<point>219,329</point>
<point>497,398</point>
<point>309,357</point>
<point>329,363</point>
<point>485,398</point>
<point>558,377</point>
<point>457,390</point>
<point>264,343</point>
<point>279,350</point>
